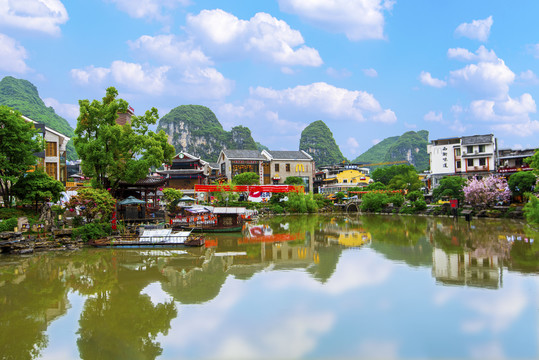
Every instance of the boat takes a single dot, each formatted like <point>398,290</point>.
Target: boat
<point>209,219</point>
<point>151,238</point>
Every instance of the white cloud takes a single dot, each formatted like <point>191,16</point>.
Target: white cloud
<point>144,79</point>
<point>69,111</point>
<point>477,29</point>
<point>427,79</point>
<point>358,19</point>
<point>481,54</point>
<point>263,37</point>
<point>485,79</point>
<point>529,76</point>
<point>149,9</point>
<point>523,129</point>
<point>507,110</point>
<point>433,116</point>
<point>35,15</point>
<point>13,55</point>
<point>370,72</point>
<point>353,145</point>
<point>324,98</point>
<point>90,74</point>
<point>170,50</point>
<point>534,49</point>
<point>338,74</point>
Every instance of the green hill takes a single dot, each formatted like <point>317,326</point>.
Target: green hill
<point>410,146</point>
<point>317,140</point>
<point>23,96</point>
<point>196,130</point>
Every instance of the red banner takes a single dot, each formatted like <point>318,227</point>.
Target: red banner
<point>250,188</point>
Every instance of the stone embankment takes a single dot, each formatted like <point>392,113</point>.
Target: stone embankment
<point>19,243</point>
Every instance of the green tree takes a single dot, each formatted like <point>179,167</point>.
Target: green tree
<point>111,152</point>
<point>246,178</point>
<point>172,197</point>
<point>533,161</point>
<point>373,201</point>
<point>94,204</point>
<point>531,209</point>
<point>38,187</point>
<point>294,180</point>
<point>451,187</point>
<point>521,182</point>
<point>386,174</point>
<point>406,180</point>
<point>376,186</point>
<point>18,143</point>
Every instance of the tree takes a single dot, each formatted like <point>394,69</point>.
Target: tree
<point>112,152</point>
<point>172,197</point>
<point>450,186</point>
<point>18,144</point>
<point>487,191</point>
<point>294,180</point>
<point>246,178</point>
<point>38,187</point>
<point>521,182</point>
<point>385,174</point>
<point>533,161</point>
<point>93,204</point>
<point>406,180</point>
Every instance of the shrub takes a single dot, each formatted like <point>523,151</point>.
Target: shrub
<point>531,209</point>
<point>397,200</point>
<point>420,205</point>
<point>414,195</point>
<point>374,202</point>
<point>92,231</point>
<point>276,208</point>
<point>8,224</point>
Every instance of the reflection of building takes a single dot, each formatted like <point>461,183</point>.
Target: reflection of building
<point>351,238</point>
<point>466,269</point>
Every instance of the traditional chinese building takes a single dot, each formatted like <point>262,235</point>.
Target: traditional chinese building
<point>185,172</point>
<point>512,161</point>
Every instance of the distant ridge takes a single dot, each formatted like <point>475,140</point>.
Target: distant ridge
<point>317,140</point>
<point>22,95</point>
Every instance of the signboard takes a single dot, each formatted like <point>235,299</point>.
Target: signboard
<point>454,203</point>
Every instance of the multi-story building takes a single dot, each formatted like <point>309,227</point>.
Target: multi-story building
<point>335,178</point>
<point>284,164</point>
<point>466,156</point>
<point>273,167</point>
<point>185,172</point>
<point>53,158</point>
<point>512,161</point>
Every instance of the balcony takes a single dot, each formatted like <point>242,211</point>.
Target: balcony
<point>478,168</point>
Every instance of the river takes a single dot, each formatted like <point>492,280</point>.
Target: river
<point>303,287</point>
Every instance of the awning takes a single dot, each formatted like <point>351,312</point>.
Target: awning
<point>331,179</point>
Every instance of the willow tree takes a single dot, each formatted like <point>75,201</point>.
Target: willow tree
<point>112,152</point>
<point>18,144</point>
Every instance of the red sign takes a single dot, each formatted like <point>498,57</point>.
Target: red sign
<point>454,203</point>
<point>250,188</point>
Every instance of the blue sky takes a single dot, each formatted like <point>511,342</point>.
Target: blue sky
<point>368,68</point>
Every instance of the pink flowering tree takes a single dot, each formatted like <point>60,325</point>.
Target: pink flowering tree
<point>487,191</point>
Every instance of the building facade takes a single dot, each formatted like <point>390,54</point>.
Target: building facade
<point>53,158</point>
<point>466,156</point>
<point>284,164</point>
<point>512,161</point>
<point>234,162</point>
<point>185,172</point>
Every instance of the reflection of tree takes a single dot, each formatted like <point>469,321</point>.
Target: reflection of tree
<point>31,296</point>
<point>328,259</point>
<point>123,323</point>
<point>397,230</point>
<point>196,285</point>
<point>525,254</point>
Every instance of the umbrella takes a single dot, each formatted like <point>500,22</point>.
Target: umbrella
<point>187,198</point>
<point>131,201</point>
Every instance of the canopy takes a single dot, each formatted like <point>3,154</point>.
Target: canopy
<point>187,198</point>
<point>131,201</point>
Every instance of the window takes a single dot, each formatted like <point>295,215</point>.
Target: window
<point>51,149</point>
<point>276,167</point>
<point>470,162</point>
<point>457,152</point>
<point>344,181</point>
<point>469,149</point>
<point>51,170</point>
<point>458,164</point>
<point>482,161</point>
<point>481,148</point>
<point>288,167</point>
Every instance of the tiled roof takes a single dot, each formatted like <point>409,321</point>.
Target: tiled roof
<point>243,154</point>
<point>477,139</point>
<point>289,155</point>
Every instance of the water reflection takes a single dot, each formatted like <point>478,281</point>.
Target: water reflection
<point>120,320</point>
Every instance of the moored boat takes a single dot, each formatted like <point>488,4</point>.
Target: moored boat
<point>151,238</point>
<point>211,219</point>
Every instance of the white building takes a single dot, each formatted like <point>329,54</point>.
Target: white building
<point>466,156</point>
